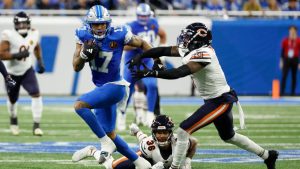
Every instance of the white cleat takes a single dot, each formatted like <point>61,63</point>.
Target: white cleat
<point>14,130</point>
<point>108,163</point>
<point>38,132</point>
<point>87,151</point>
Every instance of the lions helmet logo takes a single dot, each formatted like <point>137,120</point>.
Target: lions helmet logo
<point>113,45</point>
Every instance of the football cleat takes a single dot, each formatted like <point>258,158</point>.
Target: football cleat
<point>271,160</point>
<point>87,151</point>
<point>38,132</point>
<point>108,163</point>
<point>14,130</point>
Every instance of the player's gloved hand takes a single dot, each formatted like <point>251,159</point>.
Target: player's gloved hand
<point>41,67</point>
<point>20,55</point>
<point>135,61</point>
<point>89,51</point>
<point>10,83</point>
<point>134,129</point>
<point>187,164</point>
<point>158,165</point>
<point>158,65</point>
<point>139,74</point>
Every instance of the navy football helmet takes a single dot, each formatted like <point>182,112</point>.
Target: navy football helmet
<point>22,23</point>
<point>162,124</point>
<point>194,36</point>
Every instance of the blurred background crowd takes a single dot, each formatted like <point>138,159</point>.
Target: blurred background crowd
<point>215,5</point>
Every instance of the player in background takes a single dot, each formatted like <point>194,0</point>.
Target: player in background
<point>146,27</point>
<point>101,45</point>
<point>157,148</point>
<point>18,47</point>
<point>201,63</point>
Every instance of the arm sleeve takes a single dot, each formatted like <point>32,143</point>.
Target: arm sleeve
<point>175,73</point>
<point>157,52</point>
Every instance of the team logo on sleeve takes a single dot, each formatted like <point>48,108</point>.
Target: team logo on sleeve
<point>152,27</point>
<point>31,42</point>
<point>113,44</point>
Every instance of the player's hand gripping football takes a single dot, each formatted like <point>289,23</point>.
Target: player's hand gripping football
<point>139,74</point>
<point>89,51</point>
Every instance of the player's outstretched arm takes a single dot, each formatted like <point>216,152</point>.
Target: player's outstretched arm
<point>138,42</point>
<point>78,62</point>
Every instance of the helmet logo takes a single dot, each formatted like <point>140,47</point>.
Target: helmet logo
<point>202,32</point>
<point>161,128</point>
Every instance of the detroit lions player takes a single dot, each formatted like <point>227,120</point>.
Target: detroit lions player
<point>146,27</point>
<point>157,148</point>
<point>102,45</point>
<point>18,47</point>
<point>201,63</point>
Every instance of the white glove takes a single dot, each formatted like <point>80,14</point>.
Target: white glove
<point>187,164</point>
<point>133,129</point>
<point>159,165</point>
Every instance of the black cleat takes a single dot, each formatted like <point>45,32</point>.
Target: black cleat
<point>271,160</point>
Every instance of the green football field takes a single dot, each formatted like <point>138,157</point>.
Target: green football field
<point>273,127</point>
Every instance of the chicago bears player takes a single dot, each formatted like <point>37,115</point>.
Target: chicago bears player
<point>146,27</point>
<point>201,63</point>
<point>101,45</point>
<point>157,148</point>
<point>18,47</point>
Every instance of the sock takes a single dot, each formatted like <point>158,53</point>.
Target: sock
<point>36,108</point>
<point>97,154</point>
<point>124,149</point>
<point>12,109</point>
<point>181,147</point>
<point>88,116</point>
<point>249,145</point>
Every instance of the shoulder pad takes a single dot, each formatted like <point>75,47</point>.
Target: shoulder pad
<point>5,35</point>
<point>83,34</point>
<point>147,145</point>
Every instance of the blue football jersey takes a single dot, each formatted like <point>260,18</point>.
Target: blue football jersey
<point>106,67</point>
<point>147,32</point>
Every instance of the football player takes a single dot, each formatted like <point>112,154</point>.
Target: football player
<point>101,45</point>
<point>201,63</point>
<point>18,47</point>
<point>146,27</point>
<point>157,148</point>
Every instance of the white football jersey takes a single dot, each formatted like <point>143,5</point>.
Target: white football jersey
<point>19,43</point>
<point>210,81</point>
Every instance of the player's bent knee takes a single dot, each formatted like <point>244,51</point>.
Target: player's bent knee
<point>112,135</point>
<point>229,138</point>
<point>79,105</point>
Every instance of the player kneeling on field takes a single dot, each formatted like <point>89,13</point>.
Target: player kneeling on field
<point>158,148</point>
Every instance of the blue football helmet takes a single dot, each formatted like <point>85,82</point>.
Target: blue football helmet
<point>98,15</point>
<point>143,13</point>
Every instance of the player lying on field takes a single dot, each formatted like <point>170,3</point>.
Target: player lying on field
<point>158,148</point>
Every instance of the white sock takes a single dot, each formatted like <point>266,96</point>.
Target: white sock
<point>249,145</point>
<point>97,154</point>
<point>107,144</point>
<point>36,108</point>
<point>181,147</point>
<point>12,109</point>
